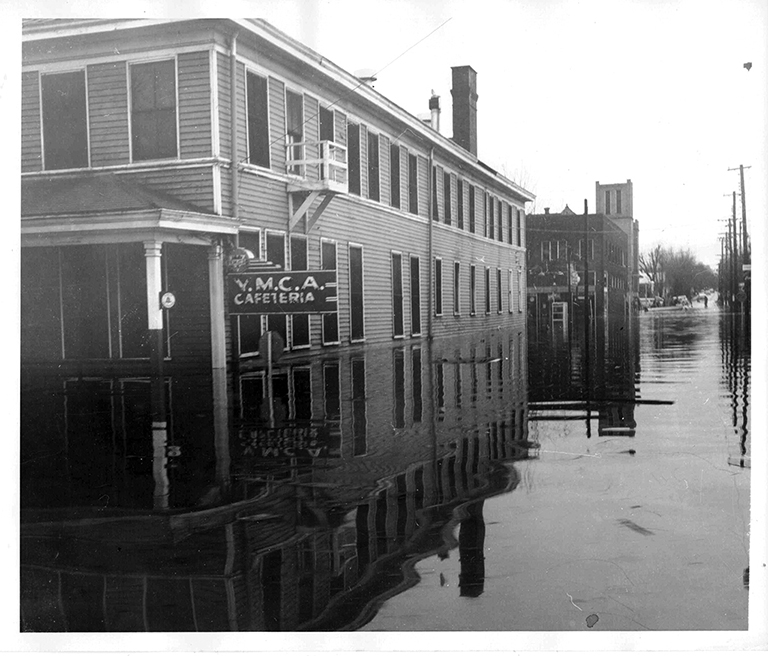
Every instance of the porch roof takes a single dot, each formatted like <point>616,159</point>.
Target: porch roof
<point>102,193</point>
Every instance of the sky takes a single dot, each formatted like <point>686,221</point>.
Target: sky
<point>571,92</point>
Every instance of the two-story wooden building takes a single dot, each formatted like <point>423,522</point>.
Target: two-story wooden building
<point>155,153</point>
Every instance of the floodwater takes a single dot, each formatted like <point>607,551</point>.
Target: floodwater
<point>483,484</point>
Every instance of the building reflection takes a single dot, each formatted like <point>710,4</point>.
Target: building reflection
<point>570,381</point>
<point>300,511</point>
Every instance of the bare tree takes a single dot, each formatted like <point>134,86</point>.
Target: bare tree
<point>652,265</point>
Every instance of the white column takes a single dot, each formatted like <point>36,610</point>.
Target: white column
<point>153,259</point>
<point>216,299</point>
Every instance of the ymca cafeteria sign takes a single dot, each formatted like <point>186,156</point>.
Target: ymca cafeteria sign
<point>282,292</point>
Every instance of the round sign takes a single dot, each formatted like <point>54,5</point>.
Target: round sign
<point>167,300</point>
<point>741,296</point>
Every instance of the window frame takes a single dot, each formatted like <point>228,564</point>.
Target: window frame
<point>456,288</point>
<point>373,168</point>
<point>249,73</point>
<point>40,76</point>
<point>438,286</point>
<point>129,82</point>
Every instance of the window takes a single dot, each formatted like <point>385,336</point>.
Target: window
<point>413,184</point>
<point>607,202</point>
<point>456,288</point>
<point>460,203</point>
<point>65,124</point>
<point>353,158</point>
<point>415,297</point>
<point>249,325</point>
<point>373,166</point>
<point>546,251</point>
<point>618,201</point>
<point>519,228</point>
<point>394,175</point>
<point>510,290</point>
<point>491,215</point>
<point>591,254</point>
<point>153,110</point>
<point>472,289</point>
<point>447,198</point>
<point>499,221</point>
<point>331,319</point>
<point>276,254</point>
<point>398,392</point>
<point>300,335</point>
<point>258,120</point>
<point>487,290</point>
<point>357,315</point>
<point>519,290</point>
<point>562,250</point>
<point>294,120</point>
<point>510,230</point>
<point>471,208</point>
<point>397,295</point>
<point>418,404</point>
<point>498,291</point>
<point>438,286</point>
<point>327,125</point>
<point>485,213</point>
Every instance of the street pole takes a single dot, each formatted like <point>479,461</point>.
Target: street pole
<point>587,383</point>
<point>734,258</point>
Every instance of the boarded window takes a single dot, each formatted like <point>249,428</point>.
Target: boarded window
<point>65,128</point>
<point>472,289</point>
<point>415,297</point>
<point>373,166</point>
<point>413,184</point>
<point>258,120</point>
<point>153,110</point>
<point>397,295</point>
<point>471,208</point>
<point>394,175</point>
<point>357,315</point>
<point>438,286</point>
<point>456,288</point>
<point>353,157</point>
<point>447,198</point>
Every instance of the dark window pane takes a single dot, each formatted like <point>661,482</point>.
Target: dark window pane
<point>153,110</point>
<point>258,123</point>
<point>357,330</point>
<point>353,158</point>
<point>65,129</point>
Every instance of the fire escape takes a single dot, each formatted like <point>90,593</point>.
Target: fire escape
<point>317,170</point>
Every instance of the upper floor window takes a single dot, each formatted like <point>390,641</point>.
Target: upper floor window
<point>65,127</point>
<point>618,201</point>
<point>519,228</point>
<point>294,127</point>
<point>413,184</point>
<point>608,202</point>
<point>394,175</point>
<point>258,120</point>
<point>447,197</point>
<point>471,208</point>
<point>510,231</point>
<point>373,166</point>
<point>353,157</point>
<point>460,203</point>
<point>153,110</point>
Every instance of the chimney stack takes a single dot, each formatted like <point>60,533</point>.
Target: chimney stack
<point>546,210</point>
<point>434,108</point>
<point>464,94</point>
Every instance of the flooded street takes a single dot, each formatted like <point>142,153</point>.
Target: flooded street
<point>482,484</point>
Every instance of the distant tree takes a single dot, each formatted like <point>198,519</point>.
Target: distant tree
<point>684,274</point>
<point>652,265</point>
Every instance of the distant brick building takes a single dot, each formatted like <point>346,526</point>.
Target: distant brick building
<point>556,264</point>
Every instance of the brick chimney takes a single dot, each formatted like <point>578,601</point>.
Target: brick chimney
<point>464,94</point>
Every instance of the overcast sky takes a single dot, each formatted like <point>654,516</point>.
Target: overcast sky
<point>575,92</point>
<point>570,92</point>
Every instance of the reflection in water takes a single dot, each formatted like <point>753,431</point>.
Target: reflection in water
<point>174,511</point>
<point>735,349</point>
<point>569,382</point>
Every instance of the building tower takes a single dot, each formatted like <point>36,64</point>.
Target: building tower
<point>615,201</point>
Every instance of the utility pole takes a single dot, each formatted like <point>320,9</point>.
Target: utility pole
<point>734,257</point>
